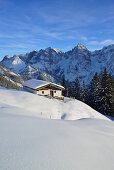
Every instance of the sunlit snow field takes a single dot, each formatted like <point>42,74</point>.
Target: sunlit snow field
<point>29,141</point>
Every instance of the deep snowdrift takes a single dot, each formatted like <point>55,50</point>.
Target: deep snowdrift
<point>28,143</point>
<point>20,102</point>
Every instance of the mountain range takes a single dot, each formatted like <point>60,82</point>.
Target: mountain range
<point>52,64</point>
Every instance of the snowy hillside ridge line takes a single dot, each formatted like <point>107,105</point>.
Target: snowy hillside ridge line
<point>52,64</point>
<point>25,103</point>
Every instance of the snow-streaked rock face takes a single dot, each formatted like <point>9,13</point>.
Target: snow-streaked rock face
<point>104,58</point>
<point>10,75</point>
<point>77,62</point>
<point>14,63</point>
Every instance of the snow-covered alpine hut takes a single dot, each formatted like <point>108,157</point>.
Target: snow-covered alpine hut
<point>43,88</point>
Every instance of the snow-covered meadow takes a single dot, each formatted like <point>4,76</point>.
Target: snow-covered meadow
<point>30,142</point>
<point>25,103</point>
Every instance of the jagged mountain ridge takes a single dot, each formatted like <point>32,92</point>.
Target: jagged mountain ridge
<point>53,64</point>
<point>18,64</point>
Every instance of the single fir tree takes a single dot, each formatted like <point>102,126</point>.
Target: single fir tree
<point>77,89</point>
<point>104,94</point>
<point>70,90</point>
<point>97,94</point>
<point>73,89</point>
<point>94,92</point>
<point>83,92</point>
<point>64,93</point>
<point>110,95</point>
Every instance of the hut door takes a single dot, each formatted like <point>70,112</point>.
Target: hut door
<point>51,93</point>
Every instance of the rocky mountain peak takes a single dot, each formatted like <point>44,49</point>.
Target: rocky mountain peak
<point>81,46</point>
<point>109,47</point>
<point>15,56</point>
<point>48,49</point>
<point>53,49</point>
<point>7,57</point>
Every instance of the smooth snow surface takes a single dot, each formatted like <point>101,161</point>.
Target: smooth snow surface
<point>39,106</point>
<point>28,143</point>
<point>32,143</point>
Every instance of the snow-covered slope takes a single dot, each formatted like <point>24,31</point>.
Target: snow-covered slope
<point>11,76</point>
<point>55,64</point>
<point>29,143</point>
<point>34,105</point>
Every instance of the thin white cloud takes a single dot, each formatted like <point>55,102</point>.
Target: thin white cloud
<point>105,42</point>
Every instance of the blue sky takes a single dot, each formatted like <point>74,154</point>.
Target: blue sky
<point>27,25</point>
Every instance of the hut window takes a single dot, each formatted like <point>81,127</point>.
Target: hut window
<point>54,91</point>
<point>42,92</point>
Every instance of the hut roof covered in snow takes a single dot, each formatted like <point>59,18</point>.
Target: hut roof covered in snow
<point>35,84</point>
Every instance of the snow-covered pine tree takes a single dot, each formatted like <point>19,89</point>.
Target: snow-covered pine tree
<point>94,92</point>
<point>97,94</point>
<point>91,91</point>
<point>77,89</point>
<point>105,104</point>
<point>64,92</point>
<point>110,95</point>
<point>73,89</point>
<point>70,90</point>
<point>83,92</point>
<point>100,94</point>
